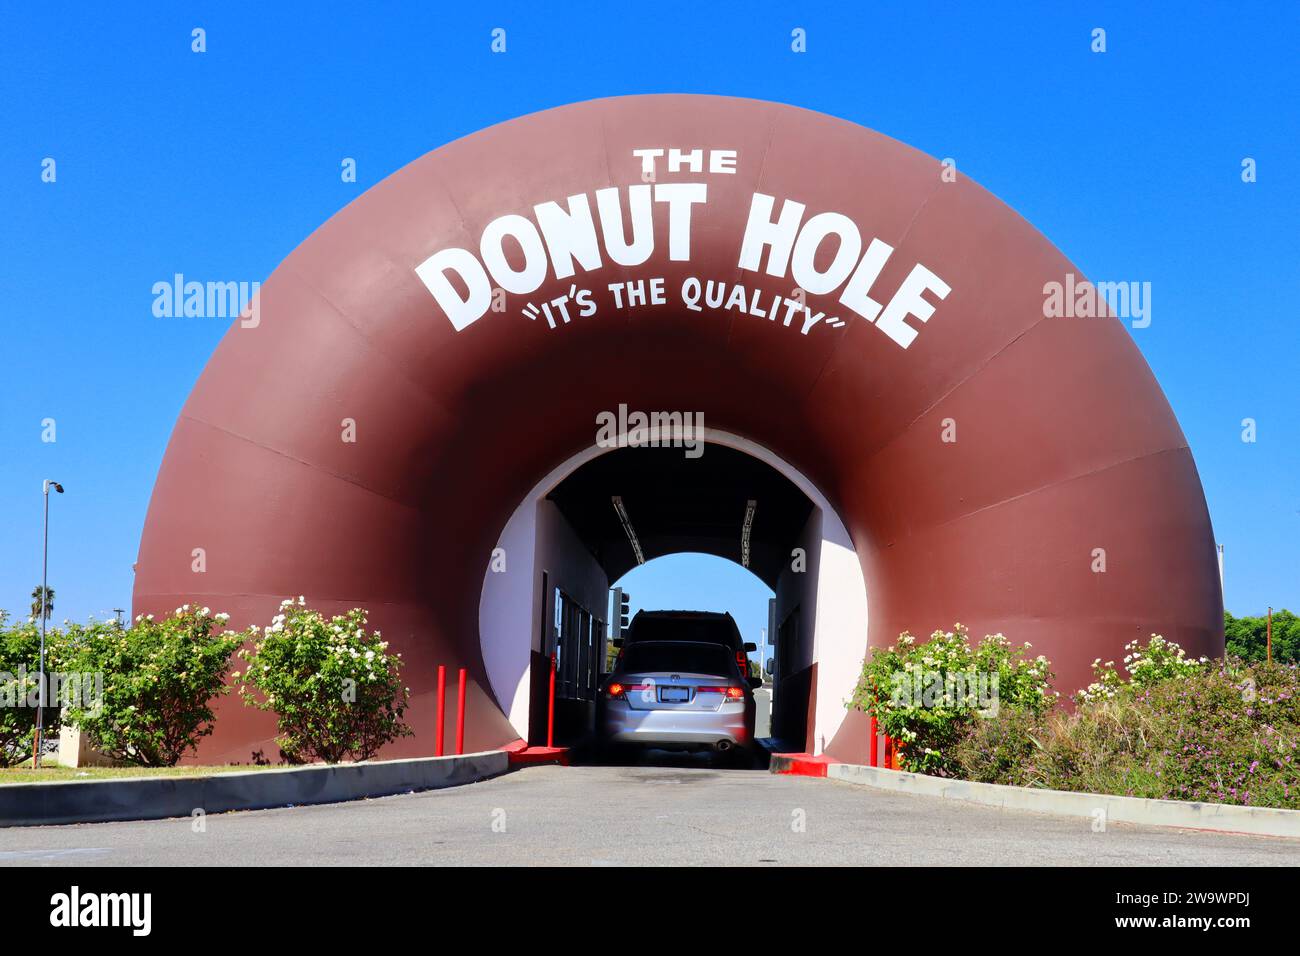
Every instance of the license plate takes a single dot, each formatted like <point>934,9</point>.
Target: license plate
<point>674,695</point>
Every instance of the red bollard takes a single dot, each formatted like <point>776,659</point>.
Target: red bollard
<point>442,700</point>
<point>875,745</point>
<point>460,713</point>
<point>550,708</point>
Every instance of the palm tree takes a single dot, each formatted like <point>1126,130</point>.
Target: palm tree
<point>36,603</point>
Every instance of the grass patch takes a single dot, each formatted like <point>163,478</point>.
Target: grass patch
<point>25,773</point>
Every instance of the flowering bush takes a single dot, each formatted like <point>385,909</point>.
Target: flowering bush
<point>332,685</point>
<point>1226,737</point>
<point>1222,735</point>
<point>1159,660</point>
<point>926,696</point>
<point>19,689</point>
<point>158,680</point>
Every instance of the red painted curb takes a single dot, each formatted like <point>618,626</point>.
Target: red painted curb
<point>532,756</point>
<point>801,765</point>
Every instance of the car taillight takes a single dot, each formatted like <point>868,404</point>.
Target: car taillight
<point>616,691</point>
<point>731,693</point>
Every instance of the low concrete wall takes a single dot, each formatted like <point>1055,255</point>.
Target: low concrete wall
<point>1157,813</point>
<point>152,798</point>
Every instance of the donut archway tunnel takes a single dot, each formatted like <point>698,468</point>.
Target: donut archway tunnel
<point>862,311</point>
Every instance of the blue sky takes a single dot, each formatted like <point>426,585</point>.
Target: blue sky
<point>219,164</point>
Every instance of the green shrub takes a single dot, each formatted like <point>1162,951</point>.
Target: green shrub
<point>1247,637</point>
<point>159,678</point>
<point>927,696</point>
<point>333,686</point>
<point>20,646</point>
<point>1215,735</point>
<point>1004,748</point>
<point>1057,751</point>
<point>1178,730</point>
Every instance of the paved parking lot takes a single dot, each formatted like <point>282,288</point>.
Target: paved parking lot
<point>686,812</point>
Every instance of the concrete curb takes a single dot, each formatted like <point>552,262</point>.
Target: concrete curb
<point>1260,821</point>
<point>153,798</point>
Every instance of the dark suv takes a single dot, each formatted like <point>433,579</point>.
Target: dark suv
<point>709,627</point>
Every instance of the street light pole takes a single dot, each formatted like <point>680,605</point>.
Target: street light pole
<point>45,592</point>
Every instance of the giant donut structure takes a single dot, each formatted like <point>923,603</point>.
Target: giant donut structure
<point>1065,448</point>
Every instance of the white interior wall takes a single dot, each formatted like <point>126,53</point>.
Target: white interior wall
<point>831,599</point>
<point>840,633</point>
<point>797,590</point>
<point>537,539</point>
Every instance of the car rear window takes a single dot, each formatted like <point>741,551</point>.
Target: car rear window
<point>709,630</point>
<point>677,658</point>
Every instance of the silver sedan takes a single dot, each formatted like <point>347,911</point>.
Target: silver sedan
<point>678,695</point>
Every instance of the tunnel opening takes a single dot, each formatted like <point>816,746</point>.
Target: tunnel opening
<point>587,528</point>
<point>693,596</point>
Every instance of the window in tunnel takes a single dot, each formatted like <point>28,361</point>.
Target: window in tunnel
<point>577,649</point>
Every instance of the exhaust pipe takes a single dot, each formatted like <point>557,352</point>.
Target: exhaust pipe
<point>723,746</point>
